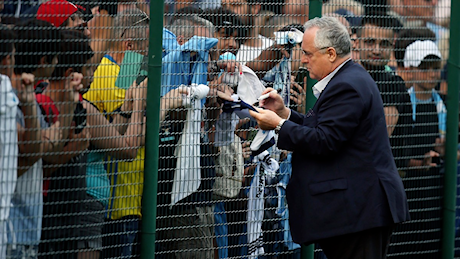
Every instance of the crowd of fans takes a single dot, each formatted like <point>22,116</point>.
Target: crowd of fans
<point>73,84</point>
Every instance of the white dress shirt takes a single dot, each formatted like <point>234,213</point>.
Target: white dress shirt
<point>321,85</point>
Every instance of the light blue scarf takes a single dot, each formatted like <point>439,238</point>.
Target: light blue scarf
<point>280,75</point>
<point>440,108</point>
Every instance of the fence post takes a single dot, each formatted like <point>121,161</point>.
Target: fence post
<point>149,198</point>
<point>314,10</point>
<point>450,177</point>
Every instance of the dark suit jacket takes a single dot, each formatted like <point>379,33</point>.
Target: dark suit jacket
<point>344,178</point>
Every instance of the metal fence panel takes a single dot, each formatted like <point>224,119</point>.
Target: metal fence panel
<point>73,94</point>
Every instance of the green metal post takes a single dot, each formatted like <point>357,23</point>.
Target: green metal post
<point>450,177</point>
<point>314,10</point>
<point>149,198</point>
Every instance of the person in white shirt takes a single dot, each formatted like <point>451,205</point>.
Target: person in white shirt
<point>9,101</point>
<point>21,147</point>
<point>9,159</point>
<point>249,13</point>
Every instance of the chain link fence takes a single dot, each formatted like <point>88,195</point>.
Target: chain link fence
<point>73,98</point>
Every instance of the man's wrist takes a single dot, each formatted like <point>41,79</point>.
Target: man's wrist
<point>286,113</point>
<point>280,124</point>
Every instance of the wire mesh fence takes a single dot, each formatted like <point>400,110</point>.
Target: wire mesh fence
<point>73,98</point>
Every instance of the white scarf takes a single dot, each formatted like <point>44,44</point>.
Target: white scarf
<point>187,177</point>
<point>265,166</point>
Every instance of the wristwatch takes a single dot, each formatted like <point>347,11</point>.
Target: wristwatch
<point>280,124</point>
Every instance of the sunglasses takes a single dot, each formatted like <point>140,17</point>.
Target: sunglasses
<point>144,18</point>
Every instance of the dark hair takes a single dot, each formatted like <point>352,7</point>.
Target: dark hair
<point>290,26</point>
<point>275,6</point>
<point>73,17</point>
<point>224,18</point>
<point>263,3</point>
<point>186,11</point>
<point>111,6</point>
<point>408,36</point>
<point>75,53</point>
<point>430,62</point>
<point>381,20</point>
<point>36,39</point>
<point>374,6</point>
<point>7,41</point>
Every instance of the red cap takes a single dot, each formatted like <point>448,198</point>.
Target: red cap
<point>56,12</point>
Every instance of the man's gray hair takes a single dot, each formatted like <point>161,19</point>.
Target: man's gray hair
<point>331,33</point>
<point>129,22</point>
<point>185,26</point>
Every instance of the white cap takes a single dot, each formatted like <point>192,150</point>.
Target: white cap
<point>418,50</point>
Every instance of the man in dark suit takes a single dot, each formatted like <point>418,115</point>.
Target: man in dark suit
<point>345,192</point>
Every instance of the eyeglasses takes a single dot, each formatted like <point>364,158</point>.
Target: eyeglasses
<point>145,18</point>
<point>310,54</point>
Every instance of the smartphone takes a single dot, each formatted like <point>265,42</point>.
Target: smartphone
<point>252,132</point>
<point>143,71</point>
<point>79,118</point>
<point>301,74</point>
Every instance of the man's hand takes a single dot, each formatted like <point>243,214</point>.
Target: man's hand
<point>275,103</point>
<point>216,96</point>
<point>173,99</point>
<point>229,65</point>
<point>428,159</point>
<point>440,146</point>
<point>298,97</point>
<point>78,142</point>
<point>134,92</point>
<point>26,88</point>
<point>281,49</point>
<point>266,119</point>
<point>246,146</point>
<point>140,92</point>
<point>73,85</point>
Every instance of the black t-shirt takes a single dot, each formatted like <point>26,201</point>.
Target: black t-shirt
<point>394,93</point>
<point>65,195</point>
<point>64,202</point>
<point>426,128</point>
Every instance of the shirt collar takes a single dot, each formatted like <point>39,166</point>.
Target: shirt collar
<point>321,85</point>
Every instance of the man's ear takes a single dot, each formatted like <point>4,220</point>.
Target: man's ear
<point>43,60</point>
<point>128,45</point>
<point>255,8</point>
<point>68,72</point>
<point>409,73</point>
<point>6,61</point>
<point>220,32</point>
<point>180,39</point>
<point>332,54</point>
<point>355,43</point>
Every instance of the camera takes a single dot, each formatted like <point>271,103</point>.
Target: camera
<point>292,37</point>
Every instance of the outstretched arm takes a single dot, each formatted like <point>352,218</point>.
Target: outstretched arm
<point>29,136</point>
